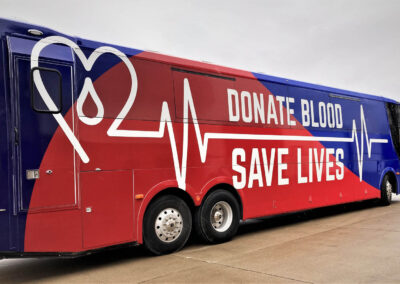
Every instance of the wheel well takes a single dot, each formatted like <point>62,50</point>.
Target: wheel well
<point>177,192</point>
<point>232,190</point>
<point>189,201</point>
<point>393,180</point>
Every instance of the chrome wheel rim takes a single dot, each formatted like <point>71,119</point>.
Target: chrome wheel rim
<point>221,216</point>
<point>389,189</point>
<point>168,225</point>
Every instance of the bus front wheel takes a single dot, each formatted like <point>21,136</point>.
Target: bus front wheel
<point>167,225</point>
<point>217,219</point>
<point>386,190</point>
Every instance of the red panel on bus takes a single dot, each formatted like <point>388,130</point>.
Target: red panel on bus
<point>107,201</point>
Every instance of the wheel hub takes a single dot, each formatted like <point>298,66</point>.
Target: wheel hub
<point>218,216</point>
<point>168,225</point>
<point>221,216</point>
<point>389,189</point>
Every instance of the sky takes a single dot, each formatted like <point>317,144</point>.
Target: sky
<point>347,44</point>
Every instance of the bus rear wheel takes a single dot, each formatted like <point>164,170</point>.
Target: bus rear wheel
<point>167,225</point>
<point>386,190</point>
<point>217,219</point>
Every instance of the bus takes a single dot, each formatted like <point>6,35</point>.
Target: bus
<point>104,146</point>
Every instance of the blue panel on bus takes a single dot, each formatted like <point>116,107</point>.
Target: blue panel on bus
<point>23,46</point>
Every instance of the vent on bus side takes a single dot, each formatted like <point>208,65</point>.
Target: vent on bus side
<point>393,111</point>
<point>202,74</point>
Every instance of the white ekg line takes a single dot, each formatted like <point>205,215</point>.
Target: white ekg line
<point>180,169</point>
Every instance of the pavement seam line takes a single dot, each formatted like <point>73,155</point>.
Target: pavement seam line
<point>166,274</point>
<point>244,269</point>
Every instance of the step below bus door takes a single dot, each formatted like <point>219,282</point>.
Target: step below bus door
<point>45,160</point>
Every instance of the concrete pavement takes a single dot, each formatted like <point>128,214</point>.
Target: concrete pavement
<point>351,243</point>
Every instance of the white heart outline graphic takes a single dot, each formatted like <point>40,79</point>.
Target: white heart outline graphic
<point>86,89</point>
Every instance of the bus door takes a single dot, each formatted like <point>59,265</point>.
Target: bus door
<point>52,175</point>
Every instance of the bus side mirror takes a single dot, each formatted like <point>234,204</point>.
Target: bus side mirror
<point>50,99</point>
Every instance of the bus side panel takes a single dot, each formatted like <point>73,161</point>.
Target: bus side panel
<point>152,135</point>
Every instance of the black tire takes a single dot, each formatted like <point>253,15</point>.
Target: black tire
<point>203,221</point>
<point>176,219</point>
<point>386,191</point>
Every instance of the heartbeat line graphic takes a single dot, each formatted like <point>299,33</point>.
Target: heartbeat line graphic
<point>180,168</point>
<point>360,152</point>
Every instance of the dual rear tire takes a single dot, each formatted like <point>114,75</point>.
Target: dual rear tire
<point>217,219</point>
<point>167,222</point>
<point>387,187</point>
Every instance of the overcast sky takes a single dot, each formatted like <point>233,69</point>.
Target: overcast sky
<point>347,44</point>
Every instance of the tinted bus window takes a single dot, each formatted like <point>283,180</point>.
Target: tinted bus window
<point>393,111</point>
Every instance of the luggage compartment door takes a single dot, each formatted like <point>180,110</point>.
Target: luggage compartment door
<point>107,207</point>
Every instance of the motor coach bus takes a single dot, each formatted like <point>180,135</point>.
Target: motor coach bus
<point>104,145</point>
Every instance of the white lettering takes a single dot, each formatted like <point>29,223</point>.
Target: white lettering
<point>340,171</point>
<point>233,94</point>
<point>271,110</point>
<point>268,169</point>
<point>319,163</point>
<point>329,164</point>
<point>300,178</point>
<point>290,111</point>
<point>255,169</point>
<point>331,115</point>
<point>313,123</point>
<point>305,113</point>
<point>245,96</point>
<point>282,166</point>
<point>239,152</point>
<point>322,114</point>
<point>338,116</point>
<point>280,99</point>
<point>259,107</point>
